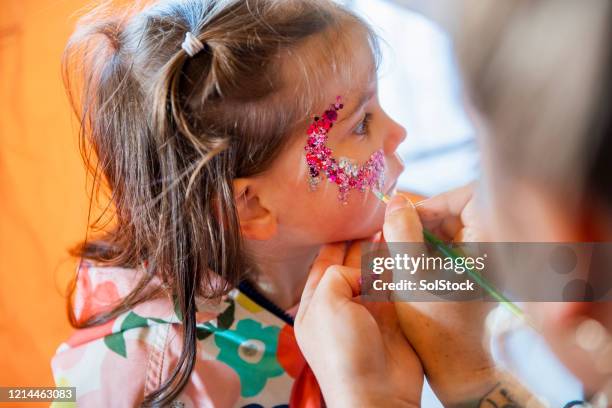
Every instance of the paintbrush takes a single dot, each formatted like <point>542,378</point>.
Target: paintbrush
<point>449,252</point>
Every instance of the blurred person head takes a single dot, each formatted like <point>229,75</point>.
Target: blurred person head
<point>539,75</point>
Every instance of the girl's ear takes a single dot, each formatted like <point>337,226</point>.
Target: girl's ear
<point>256,221</point>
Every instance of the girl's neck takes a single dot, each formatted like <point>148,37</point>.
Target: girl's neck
<point>283,273</point>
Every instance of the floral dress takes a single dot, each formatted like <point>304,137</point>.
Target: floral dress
<point>247,355</point>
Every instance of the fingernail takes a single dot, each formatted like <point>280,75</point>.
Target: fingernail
<point>376,237</point>
<point>397,202</point>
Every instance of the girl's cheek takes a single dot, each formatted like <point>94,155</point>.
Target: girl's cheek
<point>362,211</point>
<point>359,147</point>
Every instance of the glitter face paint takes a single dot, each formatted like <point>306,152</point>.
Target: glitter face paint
<point>343,172</point>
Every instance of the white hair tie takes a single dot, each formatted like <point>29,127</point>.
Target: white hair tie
<point>192,45</point>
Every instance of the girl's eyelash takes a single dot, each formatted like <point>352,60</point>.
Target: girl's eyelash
<point>362,127</point>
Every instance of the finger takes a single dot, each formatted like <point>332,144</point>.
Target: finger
<point>376,237</point>
<point>468,235</point>
<point>449,204</point>
<point>339,283</point>
<point>469,215</point>
<point>383,312</point>
<point>353,254</point>
<point>331,254</point>
<point>440,233</point>
<point>451,226</point>
<point>402,222</point>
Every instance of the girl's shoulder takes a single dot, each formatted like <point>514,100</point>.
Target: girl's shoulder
<point>120,361</point>
<point>133,352</point>
<point>99,288</point>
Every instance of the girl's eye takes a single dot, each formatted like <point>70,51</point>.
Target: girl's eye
<point>362,127</point>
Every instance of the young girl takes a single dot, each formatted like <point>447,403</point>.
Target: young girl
<point>235,138</point>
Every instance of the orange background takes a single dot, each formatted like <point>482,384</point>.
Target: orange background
<point>43,200</point>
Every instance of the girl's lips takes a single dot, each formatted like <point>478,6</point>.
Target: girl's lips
<point>400,162</point>
<point>396,167</point>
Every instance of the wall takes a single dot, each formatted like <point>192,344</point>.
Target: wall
<point>43,202</point>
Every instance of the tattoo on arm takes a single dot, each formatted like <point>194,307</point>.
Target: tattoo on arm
<point>500,396</point>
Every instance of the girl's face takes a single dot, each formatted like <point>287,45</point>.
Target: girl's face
<point>361,129</point>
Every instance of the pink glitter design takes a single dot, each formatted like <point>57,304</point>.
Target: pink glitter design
<point>343,172</point>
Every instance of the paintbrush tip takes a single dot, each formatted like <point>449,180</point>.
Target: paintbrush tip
<point>382,197</point>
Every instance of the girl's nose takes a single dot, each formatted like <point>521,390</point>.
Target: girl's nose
<point>396,134</point>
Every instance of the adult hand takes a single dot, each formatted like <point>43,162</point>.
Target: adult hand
<point>447,336</point>
<point>357,351</point>
<point>452,215</point>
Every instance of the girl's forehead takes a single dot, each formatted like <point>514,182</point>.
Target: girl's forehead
<point>327,66</point>
<point>354,88</point>
<point>353,95</point>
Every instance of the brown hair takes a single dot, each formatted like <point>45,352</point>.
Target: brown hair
<point>170,132</point>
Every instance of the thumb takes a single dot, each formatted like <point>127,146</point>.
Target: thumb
<point>402,222</point>
<point>340,282</point>
<point>331,254</point>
